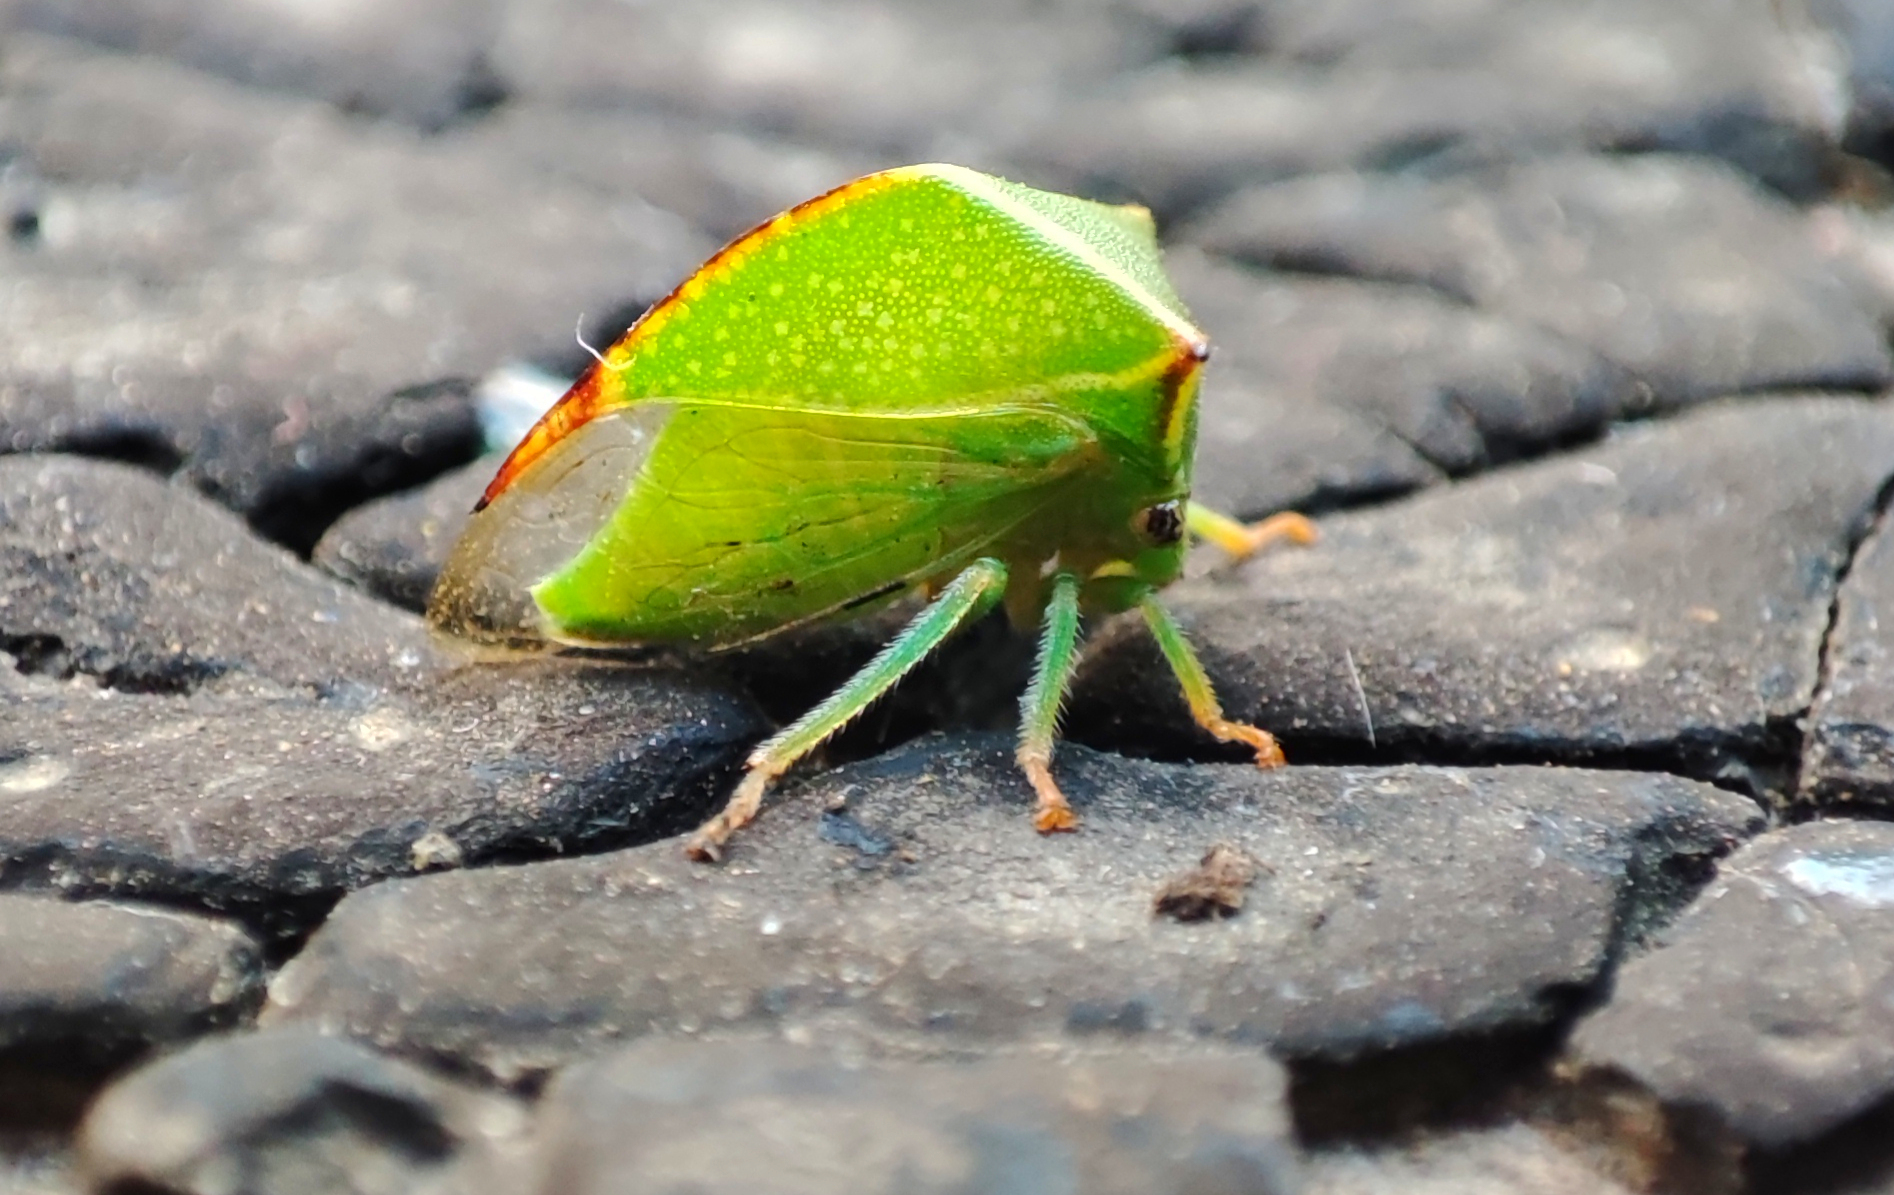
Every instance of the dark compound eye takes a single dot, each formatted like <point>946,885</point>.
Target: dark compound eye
<point>1162,524</point>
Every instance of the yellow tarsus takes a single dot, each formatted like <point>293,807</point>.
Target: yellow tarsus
<point>1268,750</point>
<point>1053,813</point>
<point>1243,540</point>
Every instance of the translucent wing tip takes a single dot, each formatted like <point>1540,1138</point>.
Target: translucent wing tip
<point>534,525</point>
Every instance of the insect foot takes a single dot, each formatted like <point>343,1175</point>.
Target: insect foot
<point>706,844</point>
<point>1053,814</point>
<point>1268,750</point>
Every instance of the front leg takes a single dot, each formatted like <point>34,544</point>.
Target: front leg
<point>1243,540</point>
<point>1204,706</point>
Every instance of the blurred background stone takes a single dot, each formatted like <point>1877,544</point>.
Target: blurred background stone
<point>275,297</point>
<point>1679,271</point>
<point>745,1116</point>
<point>86,988</point>
<point>288,1112</point>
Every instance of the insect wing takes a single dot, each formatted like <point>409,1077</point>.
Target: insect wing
<point>744,520</point>
<point>536,526</point>
<point>860,393</point>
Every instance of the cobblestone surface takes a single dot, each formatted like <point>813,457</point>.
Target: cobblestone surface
<point>1570,321</point>
<point>905,900</point>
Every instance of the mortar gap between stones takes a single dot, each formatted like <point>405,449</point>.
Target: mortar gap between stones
<point>1872,522</point>
<point>1381,1096</point>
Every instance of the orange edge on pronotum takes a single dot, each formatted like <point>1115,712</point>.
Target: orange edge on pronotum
<point>1191,354</point>
<point>586,399</point>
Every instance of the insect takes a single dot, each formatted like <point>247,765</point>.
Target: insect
<point>928,378</point>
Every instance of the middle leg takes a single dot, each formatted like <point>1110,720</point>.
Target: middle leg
<point>1039,707</point>
<point>966,597</point>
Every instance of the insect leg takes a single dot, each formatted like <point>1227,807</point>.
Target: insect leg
<point>1204,706</point>
<point>968,595</point>
<point>1242,539</point>
<point>1039,707</point>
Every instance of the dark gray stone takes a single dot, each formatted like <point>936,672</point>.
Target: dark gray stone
<point>907,900</point>
<point>1860,243</point>
<point>1659,600</point>
<point>1323,391</point>
<point>44,1171</point>
<point>1515,1159</point>
<point>913,79</point>
<point>276,295</point>
<point>240,731</point>
<point>1375,86</point>
<point>109,572</point>
<point>394,547</point>
<point>292,1114</point>
<point>1848,754</point>
<point>1771,1001</point>
<point>1865,31</point>
<point>420,60</point>
<point>666,1117</point>
<point>1677,269</point>
<point>724,180</point>
<point>95,983</point>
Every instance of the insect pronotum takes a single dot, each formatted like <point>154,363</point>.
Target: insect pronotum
<point>928,379</point>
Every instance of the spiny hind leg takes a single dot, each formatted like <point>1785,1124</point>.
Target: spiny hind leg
<point>966,596</point>
<point>1204,706</point>
<point>1242,539</point>
<point>1039,707</point>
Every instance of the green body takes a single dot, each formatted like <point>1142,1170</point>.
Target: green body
<point>867,394</point>
<point>927,378</point>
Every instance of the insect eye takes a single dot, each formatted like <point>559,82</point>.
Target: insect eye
<point>1162,524</point>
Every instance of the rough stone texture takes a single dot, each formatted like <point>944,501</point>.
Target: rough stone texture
<point>911,78</point>
<point>1852,1160</point>
<point>394,547</point>
<point>1323,391</point>
<point>273,294</point>
<point>1865,31</point>
<point>1514,1160</point>
<point>1660,599</point>
<point>36,1172</point>
<point>423,62</point>
<point>719,1119</point>
<point>725,180</point>
<point>1771,1001</point>
<point>1848,754</point>
<point>1676,269</point>
<point>288,1113</point>
<point>1370,85</point>
<point>291,253</point>
<point>94,983</point>
<point>926,914</point>
<point>1859,242</point>
<point>241,731</point>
